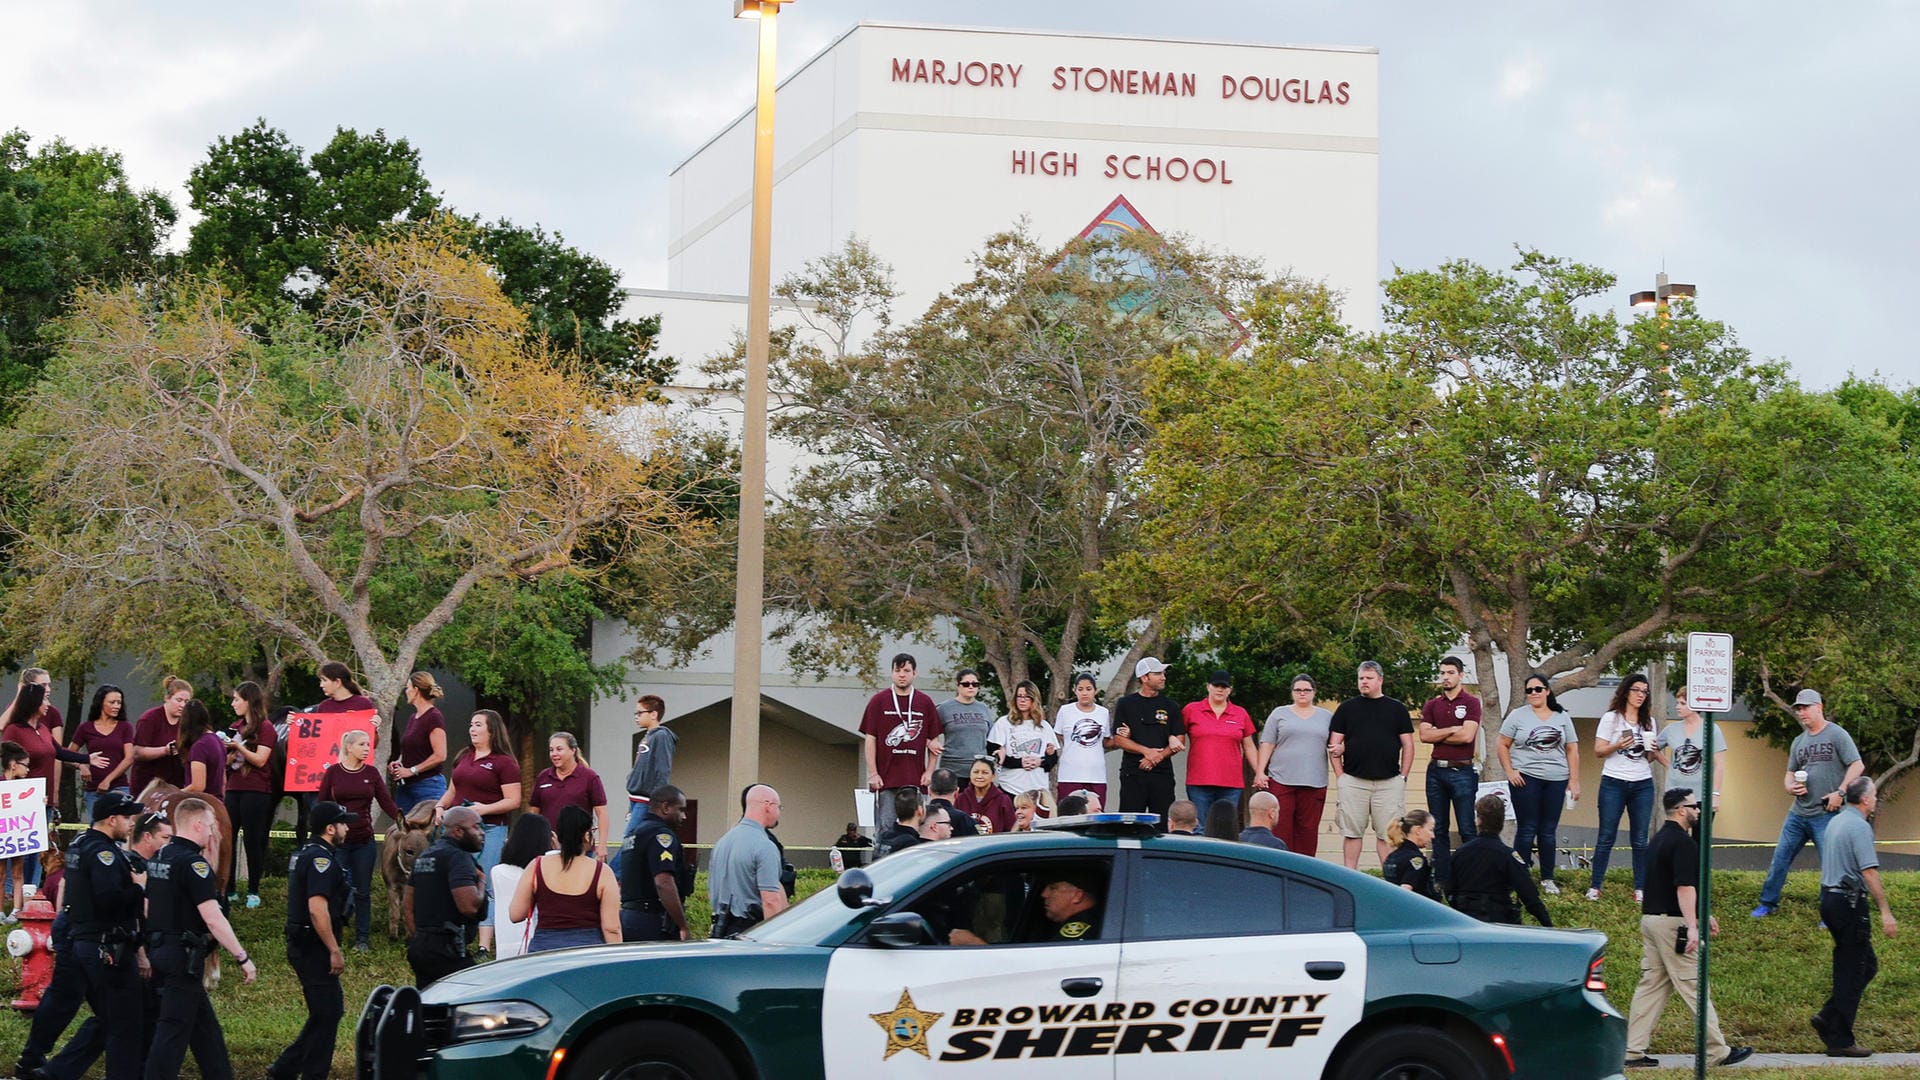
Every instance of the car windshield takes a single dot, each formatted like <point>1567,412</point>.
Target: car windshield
<point>814,919</point>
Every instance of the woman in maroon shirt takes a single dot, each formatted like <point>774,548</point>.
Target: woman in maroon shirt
<point>422,748</point>
<point>570,783</point>
<point>576,898</point>
<point>156,738</point>
<point>486,776</point>
<point>203,752</point>
<point>343,694</point>
<point>249,784</point>
<point>106,730</point>
<point>990,807</point>
<point>357,786</point>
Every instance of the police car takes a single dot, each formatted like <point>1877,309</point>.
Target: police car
<point>1094,948</point>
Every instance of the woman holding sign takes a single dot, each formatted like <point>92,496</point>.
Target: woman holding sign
<point>343,694</point>
<point>352,784</point>
<point>249,784</point>
<point>486,777</point>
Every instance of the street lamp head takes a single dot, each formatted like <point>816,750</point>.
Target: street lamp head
<point>1643,298</point>
<point>751,9</point>
<point>1680,290</point>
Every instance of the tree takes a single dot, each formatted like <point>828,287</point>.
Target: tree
<point>977,465</point>
<point>344,482</point>
<point>1562,488</point>
<point>67,217</point>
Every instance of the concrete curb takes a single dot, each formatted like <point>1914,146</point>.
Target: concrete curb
<point>1795,1061</point>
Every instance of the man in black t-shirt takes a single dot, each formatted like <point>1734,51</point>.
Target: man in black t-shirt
<point>1670,935</point>
<point>1148,730</point>
<point>1371,746</point>
<point>445,899</point>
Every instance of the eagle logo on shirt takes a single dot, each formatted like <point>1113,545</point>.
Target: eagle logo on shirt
<point>904,732</point>
<point>1687,758</point>
<point>1086,731</point>
<point>1543,738</point>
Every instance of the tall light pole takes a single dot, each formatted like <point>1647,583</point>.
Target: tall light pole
<point>743,759</point>
<point>1657,298</point>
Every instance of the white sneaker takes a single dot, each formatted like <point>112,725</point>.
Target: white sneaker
<point>1550,887</point>
<point>1593,894</point>
<point>1639,896</point>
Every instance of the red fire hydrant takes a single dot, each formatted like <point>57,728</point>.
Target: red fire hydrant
<point>32,942</point>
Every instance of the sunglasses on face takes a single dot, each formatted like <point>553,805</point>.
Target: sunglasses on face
<point>1536,689</point>
<point>966,685</point>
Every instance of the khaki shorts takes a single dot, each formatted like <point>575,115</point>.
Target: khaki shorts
<point>1363,802</point>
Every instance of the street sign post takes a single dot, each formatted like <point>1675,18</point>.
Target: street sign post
<point>1709,690</point>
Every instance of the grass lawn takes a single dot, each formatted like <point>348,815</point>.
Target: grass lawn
<point>1769,975</point>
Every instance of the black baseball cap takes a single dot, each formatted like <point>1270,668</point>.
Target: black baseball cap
<point>115,804</point>
<point>1220,678</point>
<point>332,813</point>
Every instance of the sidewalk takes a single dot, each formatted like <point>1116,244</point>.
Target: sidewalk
<point>1793,1061</point>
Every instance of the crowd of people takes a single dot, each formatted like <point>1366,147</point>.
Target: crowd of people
<point>525,868</point>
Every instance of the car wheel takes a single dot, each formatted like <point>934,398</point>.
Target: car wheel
<point>650,1050</point>
<point>1411,1053</point>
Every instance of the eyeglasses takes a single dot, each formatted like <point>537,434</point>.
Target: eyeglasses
<point>1536,689</point>
<point>967,685</point>
<point>1638,690</point>
<point>1303,689</point>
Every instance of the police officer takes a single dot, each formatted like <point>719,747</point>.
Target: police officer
<point>445,899</point>
<point>184,924</point>
<point>743,877</point>
<point>1487,873</point>
<point>103,924</point>
<point>318,892</point>
<point>656,874</point>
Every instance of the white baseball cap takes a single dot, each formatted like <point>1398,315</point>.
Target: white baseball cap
<point>1148,666</point>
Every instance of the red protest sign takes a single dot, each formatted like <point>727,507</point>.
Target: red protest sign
<point>313,743</point>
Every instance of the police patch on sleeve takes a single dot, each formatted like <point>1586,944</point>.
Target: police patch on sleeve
<point>1075,929</point>
<point>665,840</point>
<point>1416,862</point>
<point>322,864</point>
<point>105,857</point>
<point>201,868</point>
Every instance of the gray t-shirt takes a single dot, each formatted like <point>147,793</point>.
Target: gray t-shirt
<point>744,864</point>
<point>1539,746</point>
<point>1826,757</point>
<point>1299,746</point>
<point>1845,850</point>
<point>965,729</point>
<point>1685,758</point>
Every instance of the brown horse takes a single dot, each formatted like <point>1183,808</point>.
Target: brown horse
<point>406,839</point>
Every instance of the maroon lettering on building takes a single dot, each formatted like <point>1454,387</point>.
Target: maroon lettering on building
<point>1293,91</point>
<point>910,69</point>
<point>1101,80</point>
<point>1175,169</point>
<point>1046,163</point>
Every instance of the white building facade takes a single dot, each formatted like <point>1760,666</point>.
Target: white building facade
<point>923,142</point>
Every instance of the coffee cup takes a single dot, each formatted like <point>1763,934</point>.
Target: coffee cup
<point>1799,776</point>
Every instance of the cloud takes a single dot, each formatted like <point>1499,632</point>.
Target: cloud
<point>1521,77</point>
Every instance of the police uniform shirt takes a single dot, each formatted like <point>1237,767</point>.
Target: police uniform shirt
<point>316,870</point>
<point>652,850</point>
<point>744,864</point>
<point>181,880</point>
<point>1084,926</point>
<point>1408,865</point>
<point>101,893</point>
<point>1485,867</point>
<point>436,873</point>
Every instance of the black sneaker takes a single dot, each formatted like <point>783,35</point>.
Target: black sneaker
<point>1642,1062</point>
<point>1854,1051</point>
<point>1820,1028</point>
<point>1736,1055</point>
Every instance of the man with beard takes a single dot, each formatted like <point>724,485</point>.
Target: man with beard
<point>900,735</point>
<point>943,787</point>
<point>1450,722</point>
<point>445,899</point>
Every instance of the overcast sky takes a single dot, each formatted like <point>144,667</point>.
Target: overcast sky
<point>1753,148</point>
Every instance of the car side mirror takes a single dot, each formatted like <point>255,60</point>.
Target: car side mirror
<point>855,888</point>
<point>901,930</point>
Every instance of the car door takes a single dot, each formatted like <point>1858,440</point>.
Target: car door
<point>1019,1006</point>
<point>1241,967</point>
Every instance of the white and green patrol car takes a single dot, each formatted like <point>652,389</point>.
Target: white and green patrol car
<point>1196,958</point>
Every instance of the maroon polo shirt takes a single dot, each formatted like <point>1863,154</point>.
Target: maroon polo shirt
<point>89,739</point>
<point>416,744</point>
<point>581,788</point>
<point>483,780</point>
<point>1442,713</point>
<point>248,778</point>
<point>357,790</point>
<point>152,729</point>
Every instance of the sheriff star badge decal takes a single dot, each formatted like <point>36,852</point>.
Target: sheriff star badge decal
<point>906,1026</point>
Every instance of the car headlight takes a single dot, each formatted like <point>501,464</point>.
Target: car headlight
<point>487,1019</point>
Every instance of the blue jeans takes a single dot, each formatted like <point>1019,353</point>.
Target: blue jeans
<point>1794,834</point>
<point>1450,790</point>
<point>1636,798</point>
<point>1203,796</point>
<point>493,841</point>
<point>411,793</point>
<point>1536,820</point>
<point>544,940</point>
<point>636,813</point>
<point>360,863</point>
